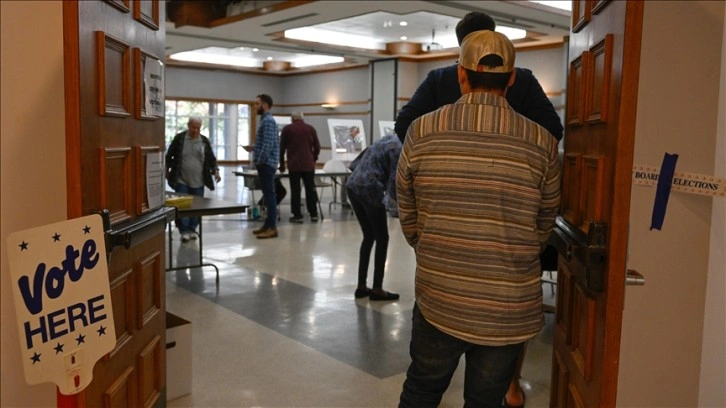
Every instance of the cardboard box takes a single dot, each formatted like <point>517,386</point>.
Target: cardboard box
<point>178,356</point>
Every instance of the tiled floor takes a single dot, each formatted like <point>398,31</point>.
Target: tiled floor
<point>283,329</point>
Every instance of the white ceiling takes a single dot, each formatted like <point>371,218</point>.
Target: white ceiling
<point>377,20</point>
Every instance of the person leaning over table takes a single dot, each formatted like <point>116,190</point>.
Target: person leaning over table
<point>525,96</point>
<point>300,141</point>
<point>372,193</point>
<point>478,188</point>
<point>190,165</point>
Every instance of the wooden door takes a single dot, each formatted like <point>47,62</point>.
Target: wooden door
<point>591,233</point>
<point>109,134</point>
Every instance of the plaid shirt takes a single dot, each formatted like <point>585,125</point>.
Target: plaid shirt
<point>267,142</point>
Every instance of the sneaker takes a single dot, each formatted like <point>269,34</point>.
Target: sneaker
<point>314,218</point>
<point>383,295</point>
<point>298,219</point>
<point>268,233</point>
<point>185,237</point>
<point>259,230</point>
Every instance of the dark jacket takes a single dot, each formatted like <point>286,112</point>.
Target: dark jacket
<point>441,87</point>
<point>174,157</point>
<point>300,140</point>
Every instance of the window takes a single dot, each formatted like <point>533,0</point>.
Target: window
<point>227,125</point>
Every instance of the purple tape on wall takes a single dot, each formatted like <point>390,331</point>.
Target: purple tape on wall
<point>663,190</point>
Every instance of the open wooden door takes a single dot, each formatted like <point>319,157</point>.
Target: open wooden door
<point>591,233</point>
<point>109,134</point>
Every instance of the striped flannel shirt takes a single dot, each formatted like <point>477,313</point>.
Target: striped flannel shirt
<point>267,141</point>
<point>478,190</point>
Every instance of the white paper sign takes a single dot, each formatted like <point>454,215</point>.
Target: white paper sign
<point>62,299</point>
<point>385,127</point>
<point>347,138</point>
<point>154,87</point>
<point>154,180</point>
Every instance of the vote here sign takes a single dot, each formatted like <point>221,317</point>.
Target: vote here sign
<point>62,299</point>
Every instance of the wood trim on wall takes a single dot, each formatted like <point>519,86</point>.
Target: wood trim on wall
<point>317,104</point>
<point>336,113</point>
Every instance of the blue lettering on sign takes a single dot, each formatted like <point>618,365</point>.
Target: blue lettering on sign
<point>73,317</point>
<point>55,278</point>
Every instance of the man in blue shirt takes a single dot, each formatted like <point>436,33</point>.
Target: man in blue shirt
<point>266,158</point>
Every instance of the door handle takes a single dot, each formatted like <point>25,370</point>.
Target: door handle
<point>634,278</point>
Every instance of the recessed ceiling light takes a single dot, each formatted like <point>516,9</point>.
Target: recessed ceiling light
<point>269,58</point>
<point>241,48</point>
<point>404,38</point>
<point>255,49</point>
<point>403,23</point>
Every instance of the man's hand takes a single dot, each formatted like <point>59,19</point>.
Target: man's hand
<point>217,176</point>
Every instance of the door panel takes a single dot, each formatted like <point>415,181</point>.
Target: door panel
<point>109,137</point>
<point>591,233</point>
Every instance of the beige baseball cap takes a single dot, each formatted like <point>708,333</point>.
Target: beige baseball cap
<point>479,44</point>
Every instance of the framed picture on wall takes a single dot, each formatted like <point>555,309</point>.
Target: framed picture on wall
<point>347,138</point>
<point>386,127</point>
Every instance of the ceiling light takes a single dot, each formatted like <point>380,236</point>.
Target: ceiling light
<point>269,58</point>
<point>208,57</point>
<point>241,48</point>
<point>311,60</point>
<point>255,49</point>
<point>559,4</point>
<point>403,23</point>
<point>334,38</point>
<point>511,32</point>
<point>404,38</point>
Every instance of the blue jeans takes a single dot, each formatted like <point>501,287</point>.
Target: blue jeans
<point>266,174</point>
<point>189,224</point>
<point>435,356</point>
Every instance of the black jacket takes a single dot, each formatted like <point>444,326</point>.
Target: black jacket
<point>174,157</point>
<point>441,87</point>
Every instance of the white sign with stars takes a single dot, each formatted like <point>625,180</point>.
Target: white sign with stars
<point>62,298</point>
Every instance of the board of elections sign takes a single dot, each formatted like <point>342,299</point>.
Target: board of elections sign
<point>60,285</point>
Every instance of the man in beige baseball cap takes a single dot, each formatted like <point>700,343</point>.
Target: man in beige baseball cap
<point>478,189</point>
<point>486,52</point>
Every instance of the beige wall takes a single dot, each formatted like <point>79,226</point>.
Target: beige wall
<point>713,357</point>
<point>678,110</point>
<point>33,158</point>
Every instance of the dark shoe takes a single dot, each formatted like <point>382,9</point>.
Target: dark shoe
<point>314,218</point>
<point>259,231</point>
<point>361,293</point>
<point>298,219</point>
<point>269,233</point>
<point>383,296</point>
